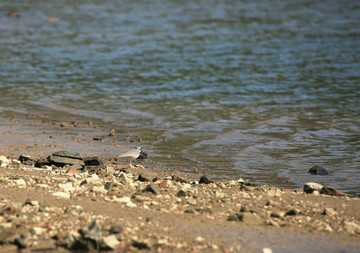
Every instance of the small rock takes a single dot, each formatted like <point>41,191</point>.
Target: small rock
<point>152,188</point>
<point>292,212</point>
<point>329,211</point>
<point>99,189</point>
<point>205,180</point>
<point>31,203</point>
<point>94,179</point>
<point>318,170</point>
<point>352,227</point>
<point>27,160</point>
<point>73,171</point>
<point>64,195</point>
<point>311,187</point>
<point>147,178</point>
<point>67,187</point>
<point>38,230</point>
<point>181,193</point>
<point>179,179</point>
<point>274,192</point>
<point>163,185</point>
<point>116,229</point>
<point>20,182</point>
<point>277,214</point>
<point>126,200</point>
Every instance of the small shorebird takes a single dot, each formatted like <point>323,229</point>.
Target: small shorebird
<point>132,153</point>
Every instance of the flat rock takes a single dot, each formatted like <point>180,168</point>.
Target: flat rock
<point>318,170</point>
<point>61,161</point>
<point>311,186</point>
<point>68,155</point>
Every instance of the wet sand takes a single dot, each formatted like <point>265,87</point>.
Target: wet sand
<point>173,213</point>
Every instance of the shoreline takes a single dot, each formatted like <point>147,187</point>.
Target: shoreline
<point>52,209</point>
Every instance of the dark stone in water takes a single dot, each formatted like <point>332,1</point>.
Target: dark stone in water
<point>318,170</point>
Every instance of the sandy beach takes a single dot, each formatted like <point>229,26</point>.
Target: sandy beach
<point>123,205</point>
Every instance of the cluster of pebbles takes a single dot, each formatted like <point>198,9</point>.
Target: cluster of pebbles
<point>63,187</point>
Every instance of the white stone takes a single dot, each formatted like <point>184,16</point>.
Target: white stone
<point>38,230</point>
<point>99,189</point>
<point>352,227</point>
<point>126,200</point>
<point>266,250</point>
<point>64,195</point>
<point>199,239</point>
<point>67,187</point>
<point>94,179</point>
<point>20,182</point>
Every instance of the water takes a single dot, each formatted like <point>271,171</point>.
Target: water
<point>258,89</point>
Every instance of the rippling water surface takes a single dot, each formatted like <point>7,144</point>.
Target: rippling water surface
<point>258,89</point>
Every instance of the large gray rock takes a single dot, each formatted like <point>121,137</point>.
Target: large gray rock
<point>59,159</point>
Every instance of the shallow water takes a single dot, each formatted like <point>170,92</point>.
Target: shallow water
<point>262,90</point>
